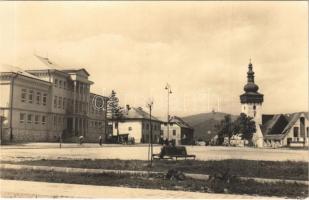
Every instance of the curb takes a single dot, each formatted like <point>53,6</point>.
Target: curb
<point>132,172</point>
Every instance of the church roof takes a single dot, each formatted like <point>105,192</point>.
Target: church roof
<point>278,125</point>
<point>251,94</point>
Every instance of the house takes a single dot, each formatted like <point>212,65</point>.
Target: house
<point>177,129</point>
<point>285,129</point>
<point>43,104</point>
<point>135,124</point>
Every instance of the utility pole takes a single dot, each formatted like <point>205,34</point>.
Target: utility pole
<point>169,91</point>
<point>150,148</point>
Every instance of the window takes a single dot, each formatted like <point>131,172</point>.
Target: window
<point>147,126</point>
<point>56,82</point>
<point>130,128</point>
<point>23,95</point>
<point>174,132</point>
<point>254,107</point>
<point>22,117</point>
<point>43,119</point>
<point>295,131</point>
<point>38,98</point>
<point>29,118</point>
<point>59,121</point>
<point>59,102</point>
<point>44,99</point>
<point>64,101</point>
<point>60,84</point>
<point>55,120</point>
<point>36,119</point>
<point>55,102</point>
<point>30,96</point>
<point>96,124</point>
<point>64,85</point>
<point>307,131</point>
<point>116,124</point>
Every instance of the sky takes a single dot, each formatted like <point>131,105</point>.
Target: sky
<point>202,49</point>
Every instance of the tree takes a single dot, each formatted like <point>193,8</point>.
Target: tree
<point>246,126</point>
<point>114,111</point>
<point>225,129</point>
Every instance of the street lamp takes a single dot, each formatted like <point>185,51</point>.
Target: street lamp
<point>1,124</point>
<point>169,91</point>
<point>150,148</point>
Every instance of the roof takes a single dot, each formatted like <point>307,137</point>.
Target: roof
<point>278,125</point>
<point>180,122</point>
<point>18,70</point>
<point>138,113</point>
<point>94,94</point>
<point>52,65</point>
<point>75,70</point>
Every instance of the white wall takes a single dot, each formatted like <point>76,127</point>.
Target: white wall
<point>170,136</point>
<point>291,132</point>
<point>136,129</point>
<point>247,108</point>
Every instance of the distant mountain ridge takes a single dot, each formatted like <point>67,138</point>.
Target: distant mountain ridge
<point>204,123</point>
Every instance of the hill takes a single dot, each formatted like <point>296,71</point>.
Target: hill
<point>204,124</point>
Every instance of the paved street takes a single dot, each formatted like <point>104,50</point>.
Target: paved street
<point>93,151</point>
<point>10,188</point>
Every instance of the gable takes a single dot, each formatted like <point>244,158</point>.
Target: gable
<point>82,73</point>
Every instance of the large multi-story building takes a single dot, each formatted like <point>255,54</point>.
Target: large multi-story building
<point>44,105</point>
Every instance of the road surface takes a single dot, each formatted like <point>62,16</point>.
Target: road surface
<point>140,152</point>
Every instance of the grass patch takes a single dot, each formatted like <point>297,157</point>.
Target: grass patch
<point>234,186</point>
<point>248,168</point>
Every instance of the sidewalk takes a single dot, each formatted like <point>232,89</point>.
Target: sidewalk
<point>11,188</point>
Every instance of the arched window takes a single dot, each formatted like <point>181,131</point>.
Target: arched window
<point>254,107</point>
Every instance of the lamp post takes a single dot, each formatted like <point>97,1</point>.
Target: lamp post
<point>169,91</point>
<point>150,148</point>
<point>1,124</point>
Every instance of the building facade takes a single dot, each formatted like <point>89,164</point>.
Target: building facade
<point>136,125</point>
<point>286,129</point>
<point>44,105</point>
<point>178,130</point>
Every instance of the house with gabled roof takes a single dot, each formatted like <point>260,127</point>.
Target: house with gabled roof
<point>286,129</point>
<point>178,130</point>
<point>135,124</point>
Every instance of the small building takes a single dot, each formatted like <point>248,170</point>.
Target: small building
<point>285,129</point>
<point>177,129</point>
<point>135,124</point>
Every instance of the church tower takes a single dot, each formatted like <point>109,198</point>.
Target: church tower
<point>251,104</point>
<point>251,101</point>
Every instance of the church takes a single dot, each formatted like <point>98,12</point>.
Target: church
<point>272,130</point>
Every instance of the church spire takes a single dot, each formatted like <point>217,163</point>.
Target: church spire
<point>251,89</point>
<point>250,73</point>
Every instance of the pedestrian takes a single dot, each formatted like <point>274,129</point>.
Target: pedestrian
<point>100,140</point>
<point>60,141</point>
<point>166,142</point>
<point>81,139</point>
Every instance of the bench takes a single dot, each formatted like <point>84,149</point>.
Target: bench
<point>170,152</point>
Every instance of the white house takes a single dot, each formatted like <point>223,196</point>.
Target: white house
<point>136,124</point>
<point>177,129</point>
